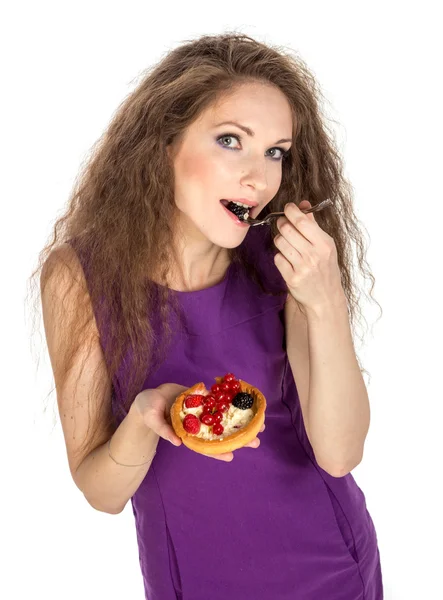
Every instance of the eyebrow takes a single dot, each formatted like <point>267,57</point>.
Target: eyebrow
<point>249,131</point>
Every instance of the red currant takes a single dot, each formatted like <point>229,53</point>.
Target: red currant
<point>235,386</point>
<point>215,388</point>
<point>210,403</point>
<point>229,377</point>
<point>223,406</point>
<point>207,419</point>
<point>218,429</point>
<point>221,397</point>
<point>218,416</point>
<point>226,386</point>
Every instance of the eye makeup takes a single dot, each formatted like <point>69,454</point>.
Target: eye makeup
<point>284,153</point>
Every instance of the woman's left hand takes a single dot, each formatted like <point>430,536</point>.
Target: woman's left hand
<point>307,259</point>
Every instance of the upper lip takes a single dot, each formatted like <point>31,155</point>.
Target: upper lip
<point>243,200</point>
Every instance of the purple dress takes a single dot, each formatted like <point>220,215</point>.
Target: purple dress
<point>272,524</point>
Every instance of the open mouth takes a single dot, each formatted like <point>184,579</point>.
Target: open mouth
<point>239,211</point>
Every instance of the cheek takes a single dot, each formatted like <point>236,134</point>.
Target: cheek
<point>198,169</point>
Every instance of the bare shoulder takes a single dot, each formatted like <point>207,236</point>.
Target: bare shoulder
<point>81,378</point>
<point>63,263</point>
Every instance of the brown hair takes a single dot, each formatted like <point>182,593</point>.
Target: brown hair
<point>119,212</point>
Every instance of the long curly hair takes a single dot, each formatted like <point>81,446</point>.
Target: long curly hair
<point>120,210</point>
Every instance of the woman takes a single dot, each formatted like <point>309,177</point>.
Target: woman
<point>156,286</point>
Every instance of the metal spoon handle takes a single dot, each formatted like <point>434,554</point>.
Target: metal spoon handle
<point>315,208</point>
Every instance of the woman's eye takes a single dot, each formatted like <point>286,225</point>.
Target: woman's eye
<point>229,136</point>
<point>281,155</point>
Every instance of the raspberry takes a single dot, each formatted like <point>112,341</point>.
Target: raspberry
<point>191,424</point>
<point>194,400</point>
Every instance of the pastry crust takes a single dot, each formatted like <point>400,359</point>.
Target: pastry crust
<point>231,442</point>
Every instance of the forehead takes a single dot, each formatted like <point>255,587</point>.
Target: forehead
<point>262,107</point>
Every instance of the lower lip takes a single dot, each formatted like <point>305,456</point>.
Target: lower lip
<point>234,217</point>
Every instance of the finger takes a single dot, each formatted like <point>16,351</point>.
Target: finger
<point>293,236</point>
<point>304,204</point>
<point>263,428</point>
<point>156,421</point>
<point>169,434</point>
<point>254,444</point>
<point>304,223</point>
<point>226,456</point>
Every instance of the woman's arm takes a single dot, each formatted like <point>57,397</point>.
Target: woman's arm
<point>77,363</point>
<point>108,486</point>
<point>333,396</point>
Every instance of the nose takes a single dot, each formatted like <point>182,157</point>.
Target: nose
<point>254,174</point>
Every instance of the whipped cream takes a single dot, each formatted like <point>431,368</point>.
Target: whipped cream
<point>233,420</point>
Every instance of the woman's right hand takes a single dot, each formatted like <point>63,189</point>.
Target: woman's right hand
<point>154,406</point>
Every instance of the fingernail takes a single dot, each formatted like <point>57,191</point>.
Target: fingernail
<point>174,442</point>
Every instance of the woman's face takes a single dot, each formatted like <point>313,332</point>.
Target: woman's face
<point>214,162</point>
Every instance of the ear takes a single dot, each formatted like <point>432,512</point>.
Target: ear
<point>306,204</point>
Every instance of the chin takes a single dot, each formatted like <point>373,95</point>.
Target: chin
<point>228,241</point>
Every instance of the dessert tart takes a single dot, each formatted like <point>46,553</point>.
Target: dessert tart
<point>222,419</point>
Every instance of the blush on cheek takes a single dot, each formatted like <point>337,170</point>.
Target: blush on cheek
<point>203,176</point>
<point>194,167</point>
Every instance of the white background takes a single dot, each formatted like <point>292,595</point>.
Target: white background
<point>65,68</point>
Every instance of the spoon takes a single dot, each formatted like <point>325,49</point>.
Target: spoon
<point>275,215</point>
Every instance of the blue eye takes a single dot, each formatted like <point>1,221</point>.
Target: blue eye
<point>284,153</point>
